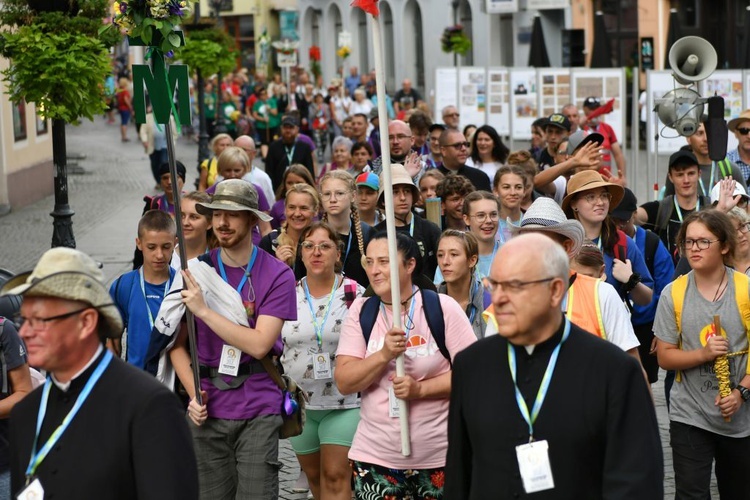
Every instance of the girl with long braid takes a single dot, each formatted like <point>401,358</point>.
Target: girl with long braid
<point>338,195</point>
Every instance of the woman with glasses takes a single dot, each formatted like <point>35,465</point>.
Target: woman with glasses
<point>706,426</point>
<point>488,152</point>
<point>368,367</point>
<point>509,183</point>
<point>482,216</point>
<point>301,206</point>
<point>458,254</point>
<point>323,299</point>
<point>338,196</point>
<point>590,200</point>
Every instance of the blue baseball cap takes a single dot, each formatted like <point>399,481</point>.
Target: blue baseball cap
<point>368,179</point>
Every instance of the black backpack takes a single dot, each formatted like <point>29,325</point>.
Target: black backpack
<point>433,313</point>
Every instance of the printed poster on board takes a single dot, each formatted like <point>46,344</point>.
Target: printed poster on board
<point>605,84</point>
<point>523,102</point>
<point>498,97</point>
<point>473,93</point>
<point>554,89</point>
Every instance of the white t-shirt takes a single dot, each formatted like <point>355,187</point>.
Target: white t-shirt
<point>489,168</point>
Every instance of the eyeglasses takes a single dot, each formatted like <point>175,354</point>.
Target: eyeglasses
<point>702,244</point>
<point>451,115</point>
<point>399,137</point>
<point>744,228</point>
<point>512,286</point>
<point>592,198</point>
<point>41,324</point>
<point>742,203</point>
<point>309,246</point>
<point>327,195</point>
<point>743,130</point>
<point>458,145</point>
<point>481,216</point>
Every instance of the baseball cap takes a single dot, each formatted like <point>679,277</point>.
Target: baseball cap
<point>591,102</point>
<point>181,170</point>
<point>558,120</point>
<point>682,157</point>
<point>628,205</point>
<point>290,120</point>
<point>368,179</point>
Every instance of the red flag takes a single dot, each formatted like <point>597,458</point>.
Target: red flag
<point>602,110</point>
<point>369,6</point>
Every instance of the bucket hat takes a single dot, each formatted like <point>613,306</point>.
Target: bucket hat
<point>590,179</point>
<point>547,216</point>
<point>399,176</point>
<point>234,195</point>
<point>69,274</point>
<point>738,191</point>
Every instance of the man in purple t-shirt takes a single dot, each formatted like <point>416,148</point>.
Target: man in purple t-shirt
<point>236,432</point>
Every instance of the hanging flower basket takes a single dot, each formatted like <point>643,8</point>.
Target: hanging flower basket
<point>455,41</point>
<point>314,54</point>
<point>344,51</point>
<point>154,22</point>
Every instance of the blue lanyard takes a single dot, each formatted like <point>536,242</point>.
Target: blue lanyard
<point>710,180</point>
<point>408,325</point>
<point>411,226</point>
<point>247,269</point>
<point>143,290</point>
<point>319,327</point>
<point>679,211</point>
<point>38,456</point>
<point>290,154</point>
<point>471,303</point>
<point>348,244</point>
<point>542,393</point>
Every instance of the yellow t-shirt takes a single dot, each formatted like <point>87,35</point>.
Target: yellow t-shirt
<point>212,165</point>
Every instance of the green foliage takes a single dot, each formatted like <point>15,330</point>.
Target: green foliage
<point>62,72</point>
<point>209,51</point>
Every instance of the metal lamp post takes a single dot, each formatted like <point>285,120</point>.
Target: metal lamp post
<point>220,127</point>
<point>455,4</point>
<point>203,152</point>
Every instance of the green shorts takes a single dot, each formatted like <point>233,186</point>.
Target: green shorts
<point>326,427</point>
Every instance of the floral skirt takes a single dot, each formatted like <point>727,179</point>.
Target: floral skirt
<point>375,482</point>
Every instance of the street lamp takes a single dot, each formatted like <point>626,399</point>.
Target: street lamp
<point>455,4</point>
<point>203,152</point>
<point>219,128</point>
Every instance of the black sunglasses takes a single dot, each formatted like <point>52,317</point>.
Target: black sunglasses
<point>743,130</point>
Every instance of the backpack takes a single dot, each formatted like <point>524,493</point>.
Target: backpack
<point>433,313</point>
<point>649,252</point>
<point>741,294</point>
<point>621,247</point>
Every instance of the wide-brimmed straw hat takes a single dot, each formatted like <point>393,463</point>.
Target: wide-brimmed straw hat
<point>234,195</point>
<point>65,273</point>
<point>547,216</point>
<point>744,117</point>
<point>399,176</point>
<point>590,179</point>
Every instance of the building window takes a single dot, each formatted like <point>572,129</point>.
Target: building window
<point>41,125</point>
<point>19,121</point>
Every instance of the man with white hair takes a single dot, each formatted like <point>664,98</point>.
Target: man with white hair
<point>451,117</point>
<point>545,406</point>
<point>98,428</point>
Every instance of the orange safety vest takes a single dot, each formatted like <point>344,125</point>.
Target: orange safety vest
<point>583,306</point>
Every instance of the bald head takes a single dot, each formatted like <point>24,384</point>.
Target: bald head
<point>247,144</point>
<point>400,139</point>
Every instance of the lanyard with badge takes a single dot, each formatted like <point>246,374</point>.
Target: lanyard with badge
<point>533,457</point>
<point>145,298</point>
<point>348,244</point>
<point>322,368</point>
<point>393,407</point>
<point>679,211</point>
<point>33,489</point>
<point>229,364</point>
<point>289,154</point>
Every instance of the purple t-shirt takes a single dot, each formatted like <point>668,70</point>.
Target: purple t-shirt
<point>263,206</point>
<point>278,212</point>
<point>306,140</point>
<point>273,284</point>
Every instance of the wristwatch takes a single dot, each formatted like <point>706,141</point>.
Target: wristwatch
<point>744,392</point>
<point>635,278</point>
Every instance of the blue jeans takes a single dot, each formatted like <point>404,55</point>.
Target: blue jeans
<point>238,458</point>
<point>5,485</point>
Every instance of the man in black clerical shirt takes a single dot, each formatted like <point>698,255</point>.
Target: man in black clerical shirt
<point>455,150</point>
<point>584,425</point>
<point>287,151</point>
<point>112,431</point>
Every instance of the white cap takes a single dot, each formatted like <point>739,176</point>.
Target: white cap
<point>738,190</point>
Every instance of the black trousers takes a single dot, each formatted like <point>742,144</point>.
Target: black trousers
<point>693,453</point>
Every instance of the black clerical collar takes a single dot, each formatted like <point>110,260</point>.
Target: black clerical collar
<point>547,346</point>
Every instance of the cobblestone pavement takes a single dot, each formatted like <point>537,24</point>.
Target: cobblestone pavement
<point>107,200</point>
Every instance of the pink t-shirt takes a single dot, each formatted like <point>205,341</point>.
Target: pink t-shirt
<point>378,437</point>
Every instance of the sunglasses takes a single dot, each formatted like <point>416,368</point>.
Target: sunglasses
<point>743,130</point>
<point>458,145</point>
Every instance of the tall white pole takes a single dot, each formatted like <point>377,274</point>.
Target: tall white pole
<point>390,222</point>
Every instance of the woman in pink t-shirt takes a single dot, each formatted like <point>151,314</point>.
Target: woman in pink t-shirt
<point>369,368</point>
